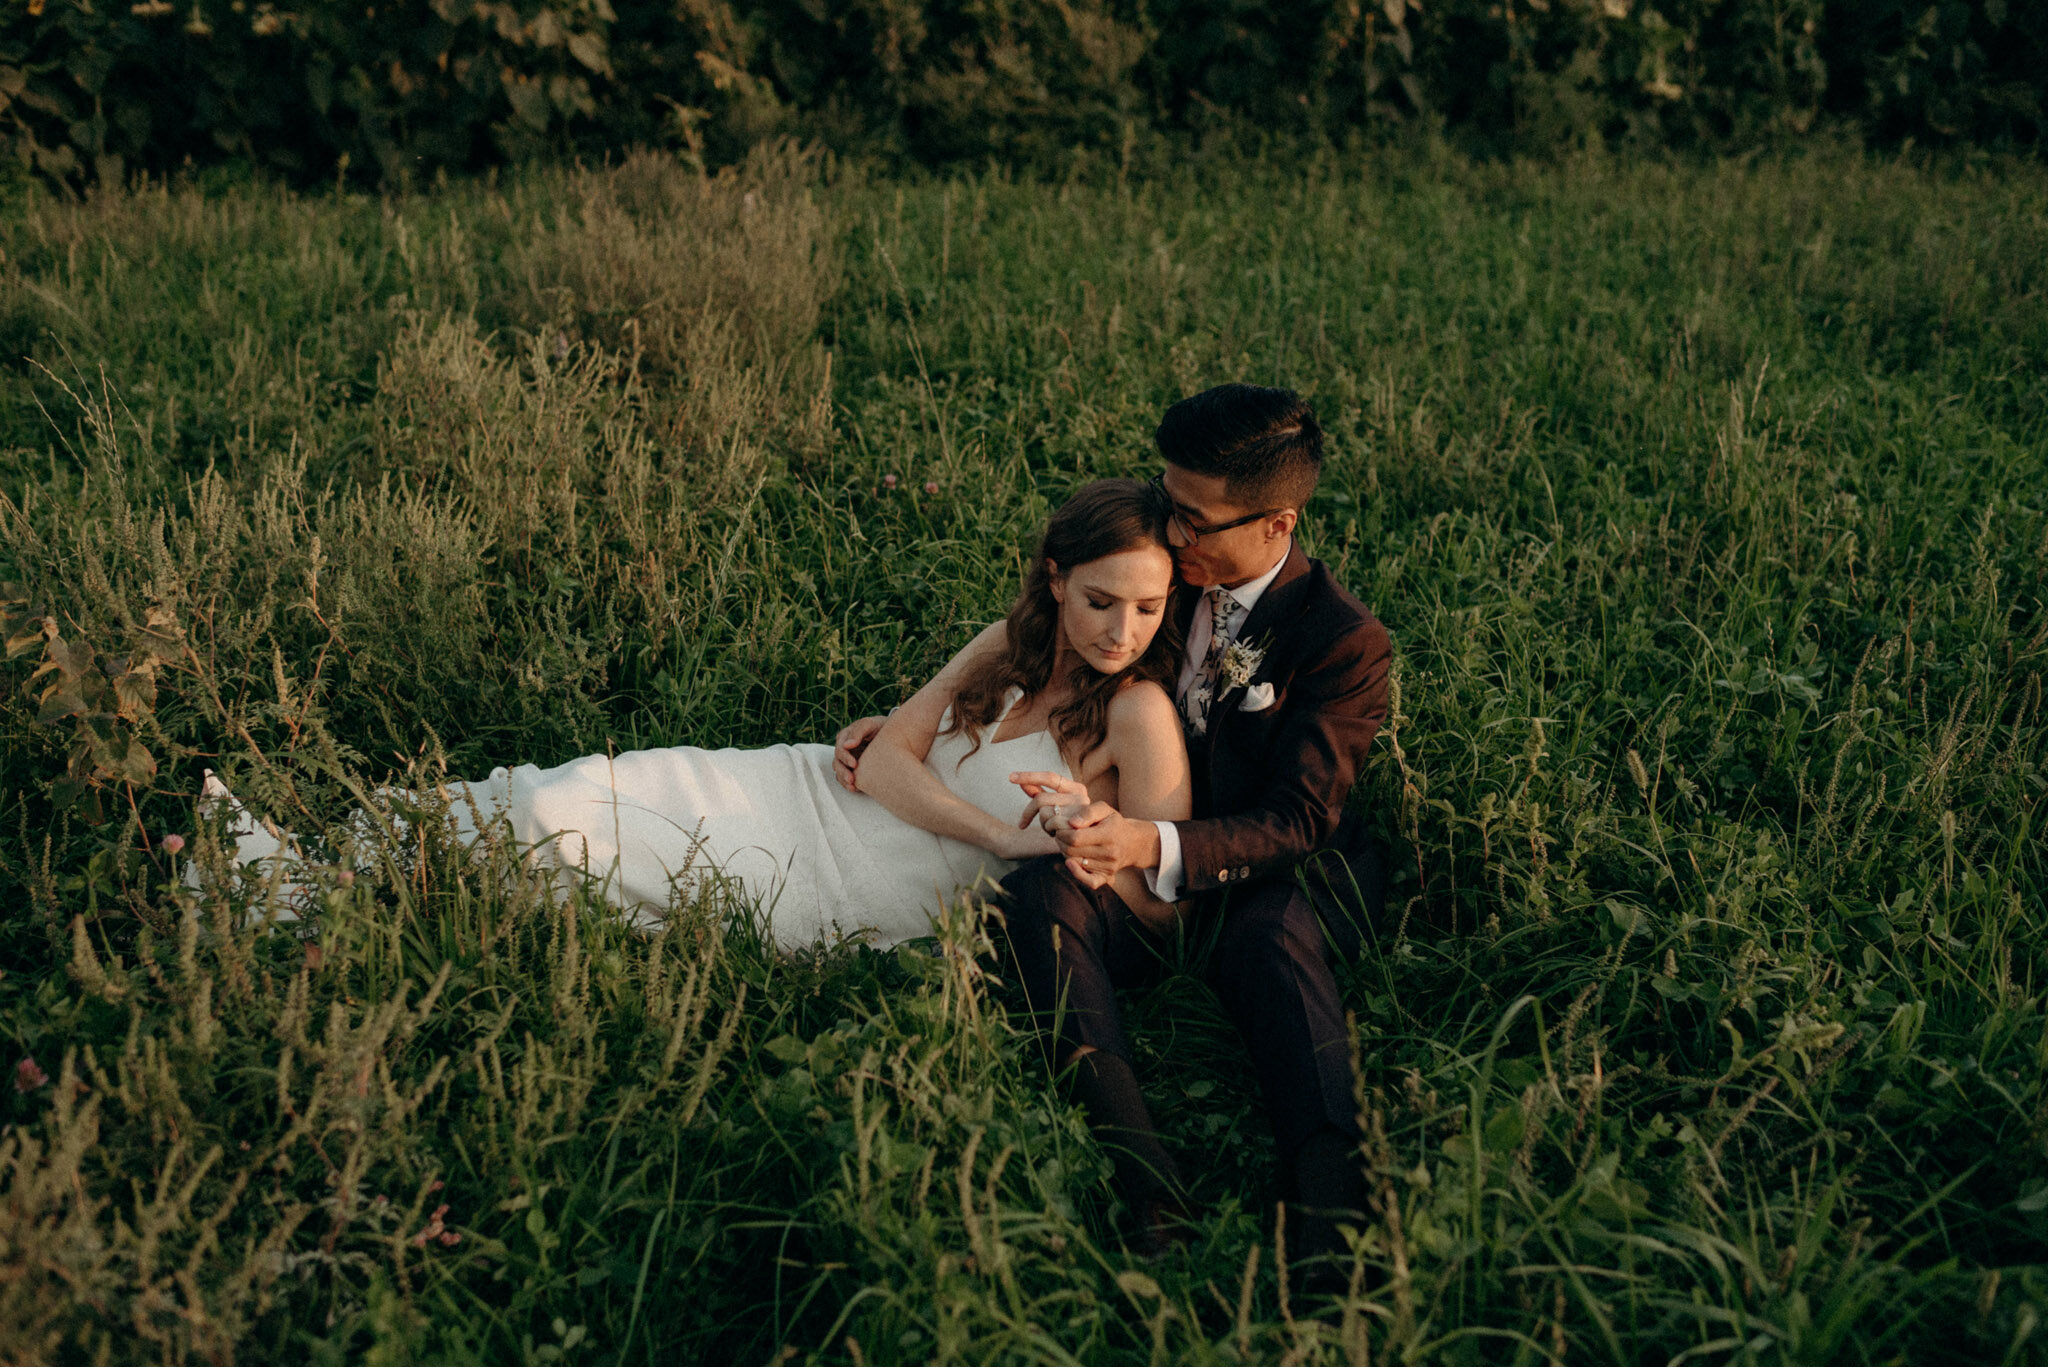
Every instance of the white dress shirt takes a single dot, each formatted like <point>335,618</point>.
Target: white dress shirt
<point>1165,880</point>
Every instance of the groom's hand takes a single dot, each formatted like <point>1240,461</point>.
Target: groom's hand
<point>847,750</point>
<point>1098,840</point>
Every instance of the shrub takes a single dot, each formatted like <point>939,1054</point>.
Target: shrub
<point>405,89</point>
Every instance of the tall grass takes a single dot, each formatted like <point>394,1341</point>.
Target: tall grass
<point>1704,505</point>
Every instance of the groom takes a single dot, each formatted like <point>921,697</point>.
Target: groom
<point>1282,687</point>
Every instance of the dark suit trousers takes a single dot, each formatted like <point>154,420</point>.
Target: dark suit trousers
<point>1270,963</point>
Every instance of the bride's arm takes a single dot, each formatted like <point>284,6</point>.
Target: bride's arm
<point>1152,779</point>
<point>893,771</point>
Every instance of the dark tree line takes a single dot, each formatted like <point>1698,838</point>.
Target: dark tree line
<point>393,90</point>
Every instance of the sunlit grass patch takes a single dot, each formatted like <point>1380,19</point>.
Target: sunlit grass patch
<point>1702,503</point>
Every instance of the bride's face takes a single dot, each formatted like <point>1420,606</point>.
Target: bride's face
<point>1110,609</point>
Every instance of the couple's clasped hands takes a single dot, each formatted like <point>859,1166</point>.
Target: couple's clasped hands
<point>1098,841</point>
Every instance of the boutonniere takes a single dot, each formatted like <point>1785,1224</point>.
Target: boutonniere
<point>1242,660</point>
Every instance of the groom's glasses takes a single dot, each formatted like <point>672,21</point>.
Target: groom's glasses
<point>1190,531</point>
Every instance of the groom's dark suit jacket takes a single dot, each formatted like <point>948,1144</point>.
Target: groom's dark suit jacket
<point>1270,785</point>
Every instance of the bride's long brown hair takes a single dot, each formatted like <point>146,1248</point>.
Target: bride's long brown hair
<point>1106,517</point>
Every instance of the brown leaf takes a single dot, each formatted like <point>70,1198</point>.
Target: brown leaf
<point>135,693</point>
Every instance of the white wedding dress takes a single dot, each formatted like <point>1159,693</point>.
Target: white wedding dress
<point>820,861</point>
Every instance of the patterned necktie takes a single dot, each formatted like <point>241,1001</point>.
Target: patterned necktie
<point>1226,614</point>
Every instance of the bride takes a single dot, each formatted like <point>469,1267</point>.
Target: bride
<point>1076,680</point>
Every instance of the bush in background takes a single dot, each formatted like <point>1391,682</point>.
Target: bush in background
<point>406,89</point>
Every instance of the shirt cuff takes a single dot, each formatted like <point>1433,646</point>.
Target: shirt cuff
<point>1164,881</point>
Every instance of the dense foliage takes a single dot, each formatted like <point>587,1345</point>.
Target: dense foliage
<point>1705,506</point>
<point>403,89</point>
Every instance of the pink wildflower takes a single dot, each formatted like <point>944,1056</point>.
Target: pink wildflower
<point>931,486</point>
<point>888,481</point>
<point>346,877</point>
<point>449,1238</point>
<point>172,843</point>
<point>28,1077</point>
<point>433,1229</point>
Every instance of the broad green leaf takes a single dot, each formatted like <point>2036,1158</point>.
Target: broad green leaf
<point>1505,1127</point>
<point>135,764</point>
<point>529,102</point>
<point>59,705</point>
<point>588,48</point>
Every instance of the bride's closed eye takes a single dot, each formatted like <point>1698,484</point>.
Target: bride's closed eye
<point>1144,609</point>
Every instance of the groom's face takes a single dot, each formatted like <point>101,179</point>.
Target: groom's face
<point>1232,555</point>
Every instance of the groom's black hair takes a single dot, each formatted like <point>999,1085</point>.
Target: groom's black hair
<point>1264,442</point>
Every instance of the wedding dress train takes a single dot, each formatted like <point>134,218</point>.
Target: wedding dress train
<point>648,824</point>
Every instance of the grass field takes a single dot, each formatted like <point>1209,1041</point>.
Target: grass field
<point>1708,509</point>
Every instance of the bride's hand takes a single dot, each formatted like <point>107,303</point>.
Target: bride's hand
<point>1028,843</point>
<point>848,747</point>
<point>1052,796</point>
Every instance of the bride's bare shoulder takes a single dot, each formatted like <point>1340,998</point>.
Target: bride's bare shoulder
<point>1145,744</point>
<point>1141,707</point>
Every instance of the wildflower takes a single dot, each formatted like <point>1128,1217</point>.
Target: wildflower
<point>435,1186</point>
<point>172,843</point>
<point>931,486</point>
<point>433,1230</point>
<point>449,1238</point>
<point>346,877</point>
<point>888,481</point>
<point>28,1077</point>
